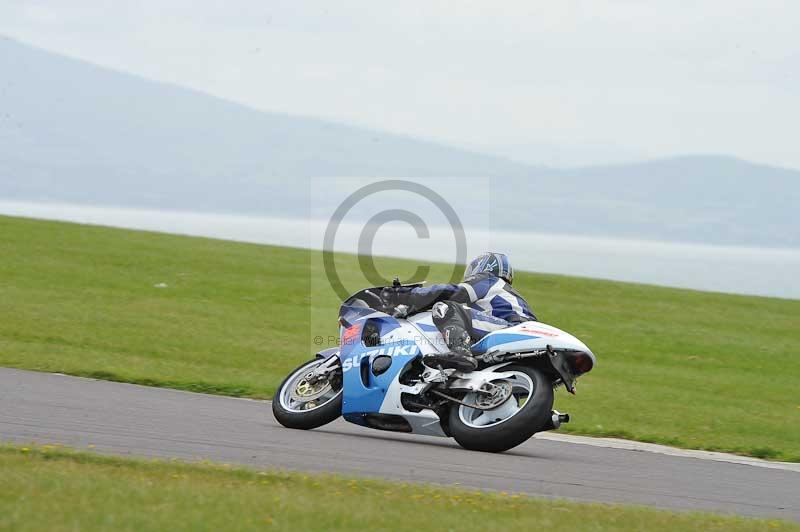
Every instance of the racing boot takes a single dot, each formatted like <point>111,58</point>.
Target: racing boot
<point>459,356</point>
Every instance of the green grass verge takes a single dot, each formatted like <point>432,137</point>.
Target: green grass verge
<point>46,488</point>
<point>679,367</point>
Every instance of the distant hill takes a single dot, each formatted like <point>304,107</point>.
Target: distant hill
<point>700,198</point>
<point>74,132</point>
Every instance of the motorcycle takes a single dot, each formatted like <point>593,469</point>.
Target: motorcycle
<point>375,378</point>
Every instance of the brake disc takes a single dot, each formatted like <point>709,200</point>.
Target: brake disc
<point>495,396</point>
<point>307,389</point>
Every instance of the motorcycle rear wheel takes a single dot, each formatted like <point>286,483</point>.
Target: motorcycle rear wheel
<point>302,404</point>
<point>527,412</point>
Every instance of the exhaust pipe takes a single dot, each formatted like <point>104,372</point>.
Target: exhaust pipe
<point>556,419</point>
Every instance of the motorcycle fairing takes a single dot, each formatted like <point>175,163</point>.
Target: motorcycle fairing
<point>529,336</point>
<point>428,332</point>
<point>566,355</point>
<point>365,394</point>
<point>363,390</point>
<point>499,339</point>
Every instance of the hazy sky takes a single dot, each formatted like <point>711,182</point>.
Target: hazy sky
<point>565,82</point>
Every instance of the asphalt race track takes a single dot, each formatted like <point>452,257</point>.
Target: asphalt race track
<point>125,419</point>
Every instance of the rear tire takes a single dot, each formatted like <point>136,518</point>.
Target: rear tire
<point>515,425</point>
<point>291,412</point>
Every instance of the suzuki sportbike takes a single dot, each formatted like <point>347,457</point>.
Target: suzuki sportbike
<point>376,378</point>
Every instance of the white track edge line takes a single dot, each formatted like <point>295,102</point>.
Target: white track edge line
<point>628,445</point>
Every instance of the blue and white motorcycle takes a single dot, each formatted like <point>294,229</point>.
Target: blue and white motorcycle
<point>376,378</point>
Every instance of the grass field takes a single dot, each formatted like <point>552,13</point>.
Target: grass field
<point>685,368</point>
<point>51,489</point>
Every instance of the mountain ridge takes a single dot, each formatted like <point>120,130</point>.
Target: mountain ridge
<point>72,131</point>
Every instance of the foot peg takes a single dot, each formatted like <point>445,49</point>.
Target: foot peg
<point>434,375</point>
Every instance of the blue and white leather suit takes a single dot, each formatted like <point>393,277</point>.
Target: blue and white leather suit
<point>489,303</point>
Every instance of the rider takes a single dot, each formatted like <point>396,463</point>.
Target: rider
<point>467,311</point>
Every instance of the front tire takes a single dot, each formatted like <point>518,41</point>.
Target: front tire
<point>300,404</point>
<point>527,412</point>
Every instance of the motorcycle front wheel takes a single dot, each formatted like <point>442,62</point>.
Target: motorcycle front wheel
<point>526,412</point>
<point>301,402</point>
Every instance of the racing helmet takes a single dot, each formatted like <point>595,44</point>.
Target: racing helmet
<point>495,263</point>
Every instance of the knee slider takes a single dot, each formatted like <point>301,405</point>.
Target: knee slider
<point>441,311</point>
